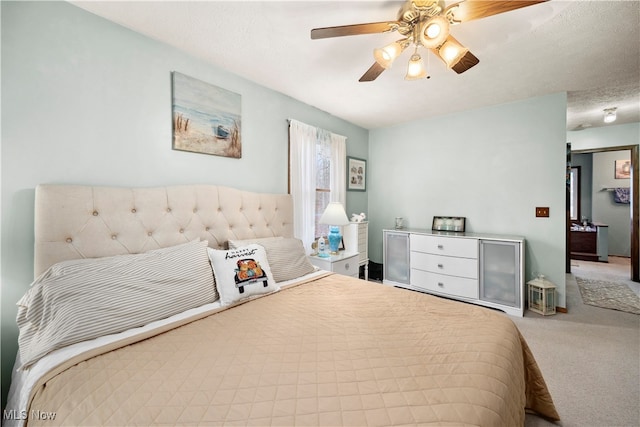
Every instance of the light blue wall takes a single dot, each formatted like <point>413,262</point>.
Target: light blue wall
<point>89,102</point>
<point>492,165</point>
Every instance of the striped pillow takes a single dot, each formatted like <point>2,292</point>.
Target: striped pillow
<point>81,300</point>
<point>287,257</point>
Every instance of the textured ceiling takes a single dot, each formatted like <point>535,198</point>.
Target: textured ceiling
<point>589,49</point>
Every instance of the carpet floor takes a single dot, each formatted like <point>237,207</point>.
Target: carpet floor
<point>609,295</point>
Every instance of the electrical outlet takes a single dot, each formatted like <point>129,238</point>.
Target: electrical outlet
<point>542,212</point>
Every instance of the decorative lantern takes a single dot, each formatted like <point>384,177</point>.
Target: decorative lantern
<point>542,296</point>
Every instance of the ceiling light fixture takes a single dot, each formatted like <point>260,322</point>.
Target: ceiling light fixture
<point>610,115</point>
<point>427,27</point>
<point>425,23</point>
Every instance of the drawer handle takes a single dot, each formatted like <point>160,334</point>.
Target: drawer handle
<point>441,284</point>
<point>440,247</point>
<point>440,266</point>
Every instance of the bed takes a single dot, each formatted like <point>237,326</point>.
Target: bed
<point>195,305</point>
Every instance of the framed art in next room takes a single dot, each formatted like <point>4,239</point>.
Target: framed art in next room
<point>356,174</point>
<point>623,169</point>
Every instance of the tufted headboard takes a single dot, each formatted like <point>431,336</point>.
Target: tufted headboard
<point>73,221</point>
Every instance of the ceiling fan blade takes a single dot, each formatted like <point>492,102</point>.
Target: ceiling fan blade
<point>372,73</point>
<point>468,60</point>
<point>354,30</point>
<point>475,9</point>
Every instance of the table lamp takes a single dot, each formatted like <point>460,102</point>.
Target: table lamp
<point>334,216</point>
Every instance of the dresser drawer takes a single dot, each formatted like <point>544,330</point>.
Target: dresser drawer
<point>345,263</point>
<point>438,245</point>
<point>348,267</point>
<point>450,285</point>
<point>452,266</point>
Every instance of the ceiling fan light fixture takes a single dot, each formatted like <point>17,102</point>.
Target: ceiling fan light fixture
<point>610,115</point>
<point>452,52</point>
<point>416,69</point>
<point>425,23</point>
<point>434,32</point>
<point>386,55</point>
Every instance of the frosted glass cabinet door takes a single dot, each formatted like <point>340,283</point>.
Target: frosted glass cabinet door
<point>396,257</point>
<point>500,272</point>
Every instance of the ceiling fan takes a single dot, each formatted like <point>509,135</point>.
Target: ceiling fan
<point>425,23</point>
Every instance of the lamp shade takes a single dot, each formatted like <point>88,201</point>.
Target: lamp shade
<point>451,52</point>
<point>334,214</point>
<point>434,32</point>
<point>386,55</point>
<point>416,69</point>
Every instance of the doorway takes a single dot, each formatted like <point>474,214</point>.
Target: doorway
<point>634,218</point>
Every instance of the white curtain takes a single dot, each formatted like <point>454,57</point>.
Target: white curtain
<point>302,141</point>
<point>338,169</point>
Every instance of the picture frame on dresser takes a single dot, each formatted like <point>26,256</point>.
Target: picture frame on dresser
<point>356,174</point>
<point>448,223</point>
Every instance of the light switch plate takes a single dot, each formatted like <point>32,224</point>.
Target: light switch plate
<point>542,212</point>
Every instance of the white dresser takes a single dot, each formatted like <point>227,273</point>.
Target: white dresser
<point>345,263</point>
<point>478,268</point>
<point>356,239</point>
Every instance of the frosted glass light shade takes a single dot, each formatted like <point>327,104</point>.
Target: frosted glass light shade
<point>416,69</point>
<point>452,52</point>
<point>434,32</point>
<point>610,115</point>
<point>386,55</point>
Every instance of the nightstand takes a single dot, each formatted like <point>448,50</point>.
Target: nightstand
<point>345,263</point>
<point>356,239</point>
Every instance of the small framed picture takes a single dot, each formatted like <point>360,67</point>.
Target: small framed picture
<point>448,223</point>
<point>356,174</point>
<point>623,169</point>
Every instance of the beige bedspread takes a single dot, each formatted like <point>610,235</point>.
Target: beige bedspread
<point>333,351</point>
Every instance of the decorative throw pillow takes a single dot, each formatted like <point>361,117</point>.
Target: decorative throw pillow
<point>241,273</point>
<point>287,257</point>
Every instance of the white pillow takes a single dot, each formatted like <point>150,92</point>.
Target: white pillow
<point>241,273</point>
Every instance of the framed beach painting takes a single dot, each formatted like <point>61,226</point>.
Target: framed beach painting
<point>206,118</point>
<point>356,174</point>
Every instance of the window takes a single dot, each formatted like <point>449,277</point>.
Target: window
<point>317,176</point>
